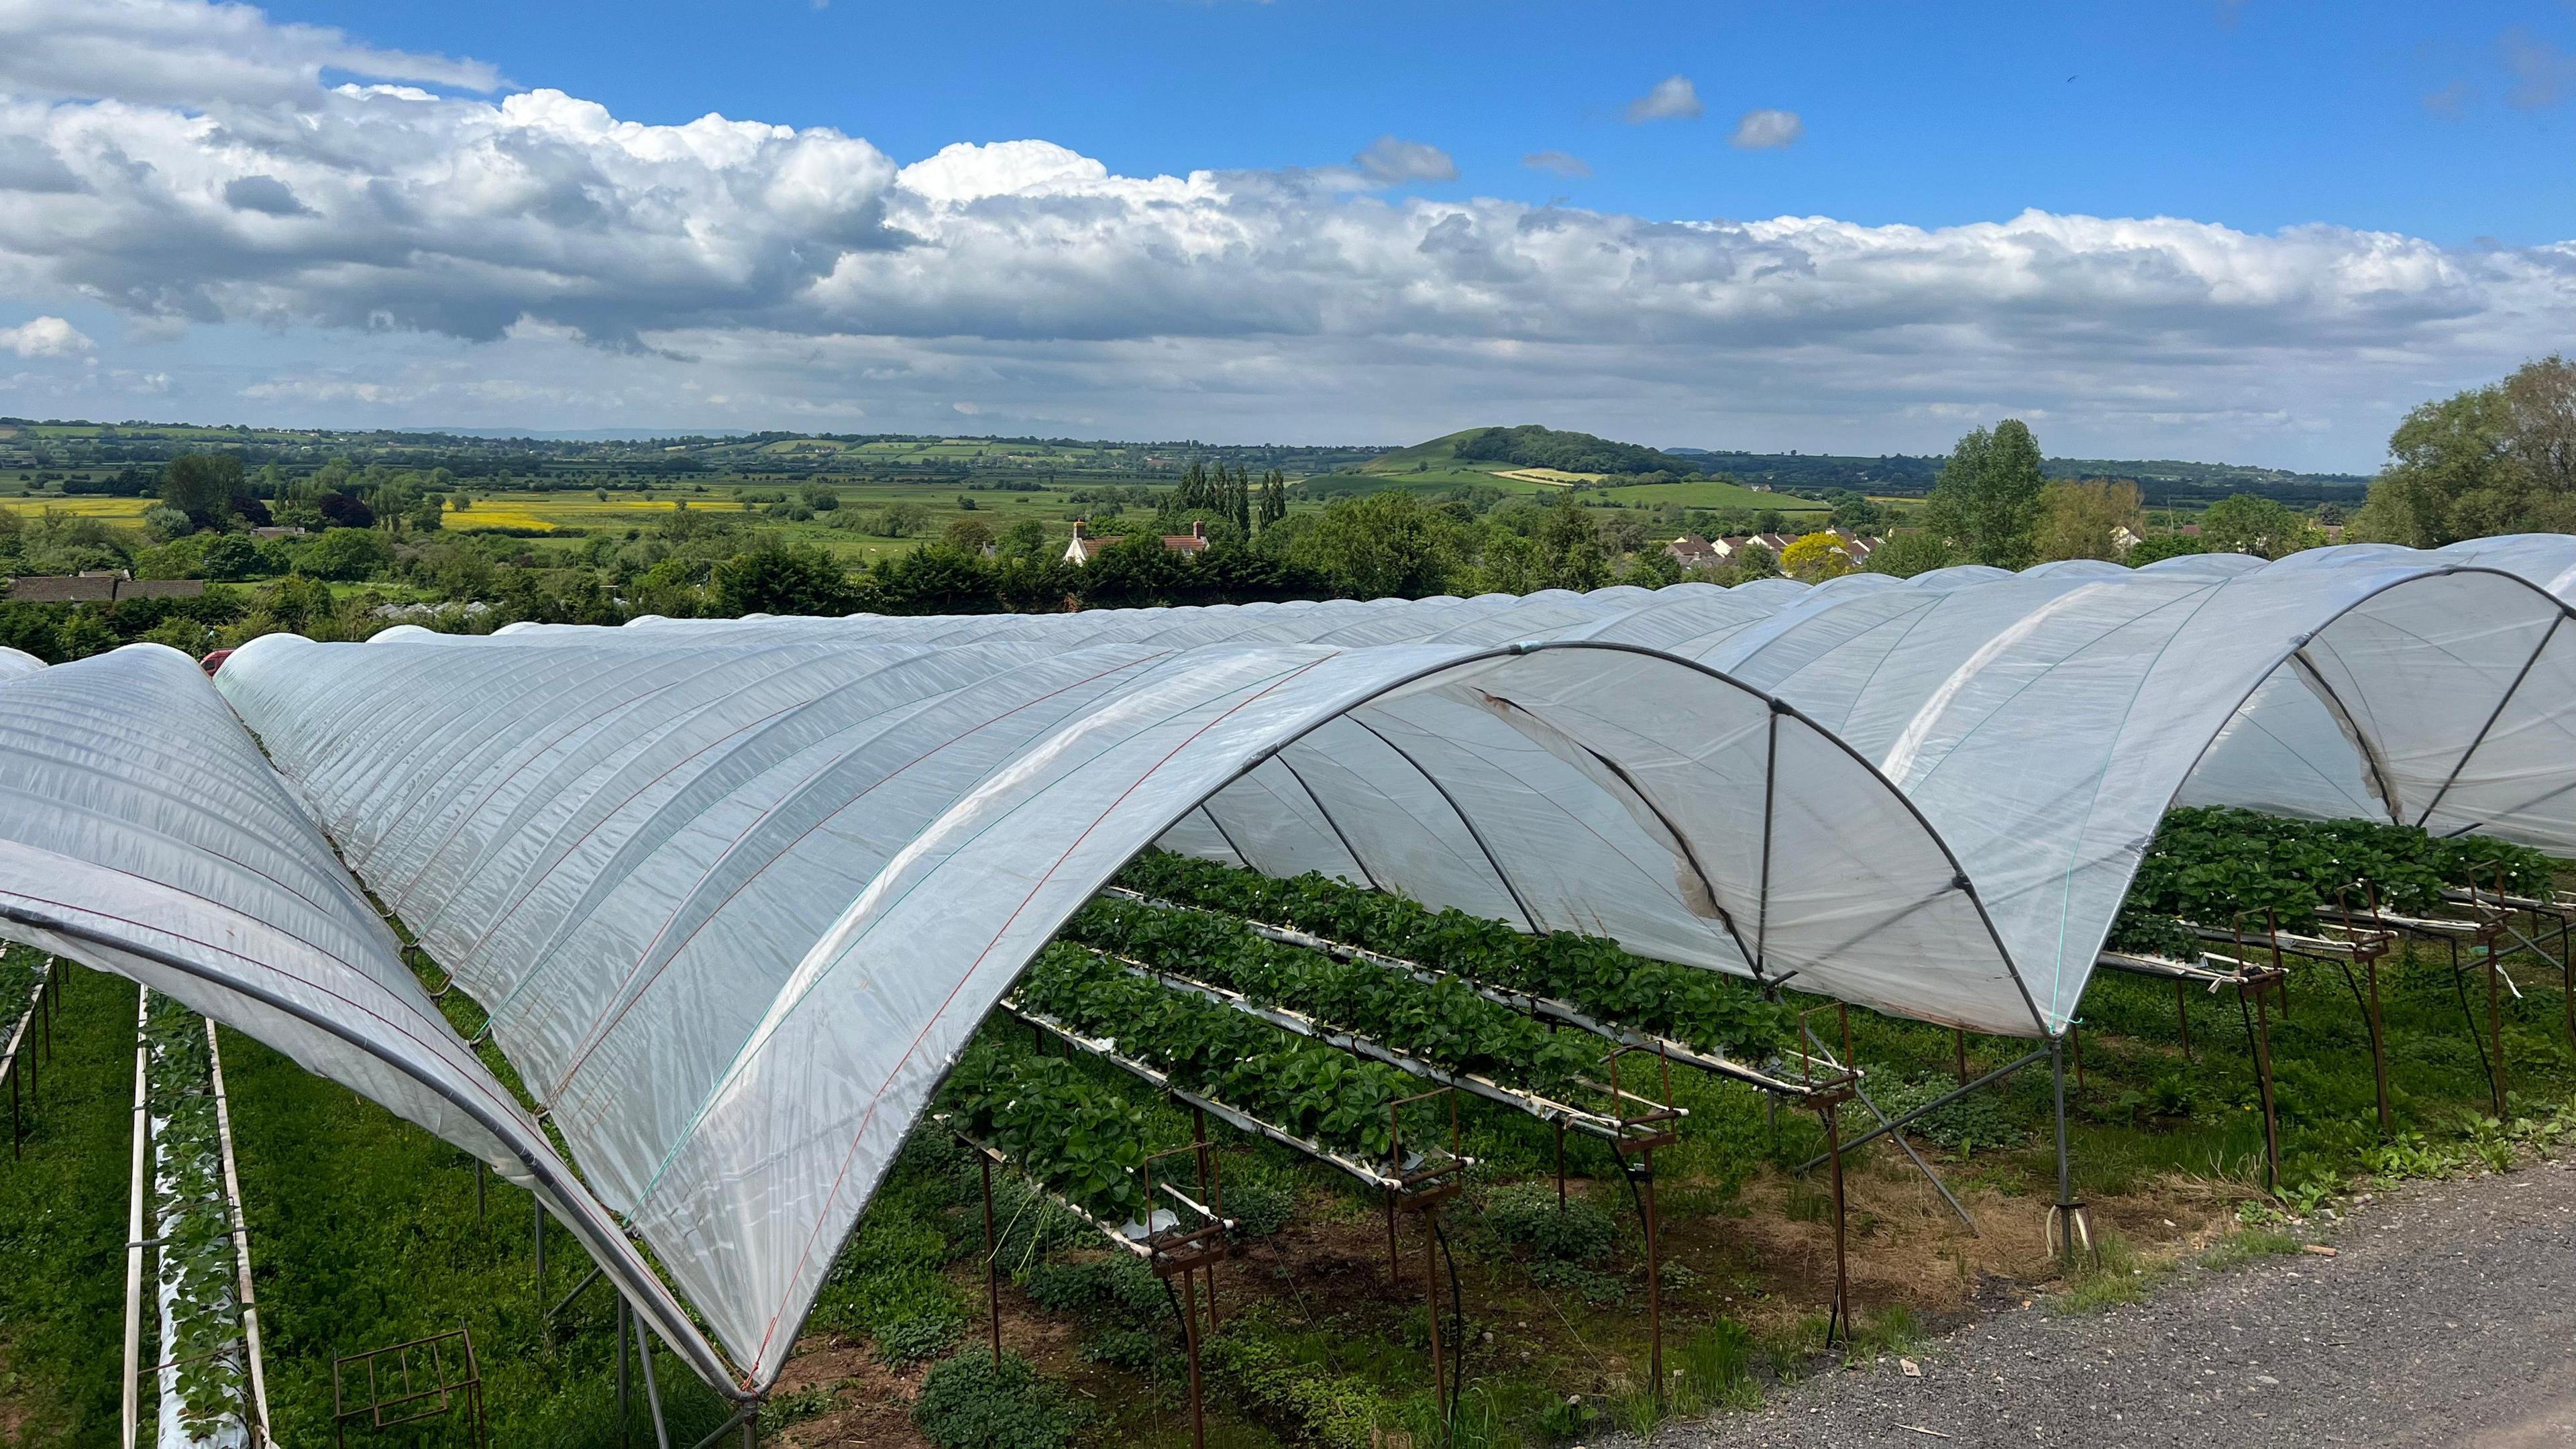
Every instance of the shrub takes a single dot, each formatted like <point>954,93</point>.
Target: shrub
<point>1260,1208</point>
<point>968,1402</point>
<point>1526,1215</point>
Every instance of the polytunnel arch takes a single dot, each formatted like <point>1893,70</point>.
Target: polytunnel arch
<point>524,786</point>
<point>1026,850</point>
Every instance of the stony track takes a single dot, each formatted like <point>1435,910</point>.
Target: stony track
<point>2446,1317</point>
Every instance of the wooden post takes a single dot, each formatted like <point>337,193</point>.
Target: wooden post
<point>1959,1037</point>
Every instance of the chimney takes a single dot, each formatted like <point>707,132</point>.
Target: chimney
<point>1198,528</point>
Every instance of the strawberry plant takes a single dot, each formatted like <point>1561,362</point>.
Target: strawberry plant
<point>1306,1089</point>
<point>2218,866</point>
<point>1075,1137</point>
<point>193,1218</point>
<point>1443,1022</point>
<point>1689,1003</point>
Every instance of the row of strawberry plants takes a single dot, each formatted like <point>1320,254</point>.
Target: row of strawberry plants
<point>1442,1021</point>
<point>2218,866</point>
<point>201,1317</point>
<point>1069,1134</point>
<point>1305,1089</point>
<point>1696,1006</point>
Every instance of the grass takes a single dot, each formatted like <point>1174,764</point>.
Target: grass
<point>365,1231</point>
<point>62,1226</point>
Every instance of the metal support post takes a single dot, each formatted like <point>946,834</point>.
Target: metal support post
<point>652,1387</point>
<point>1838,1318</point>
<point>2378,1050</point>
<point>1190,1336</point>
<point>1431,1305</point>
<point>1959,1040</point>
<point>992,1256</point>
<point>1655,1271</point>
<point>625,1395</point>
<point>2495,1035</point>
<point>2182,1014</point>
<point>2066,1222</point>
<point>2263,1080</point>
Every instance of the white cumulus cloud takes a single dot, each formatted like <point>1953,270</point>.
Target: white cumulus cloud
<point>44,337</point>
<point>343,252</point>
<point>1392,161</point>
<point>1767,130</point>
<point>1673,98</point>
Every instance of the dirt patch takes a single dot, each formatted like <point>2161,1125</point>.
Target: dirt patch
<point>872,1403</point>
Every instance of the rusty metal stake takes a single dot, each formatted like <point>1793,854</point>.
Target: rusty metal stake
<point>1655,1272</point>
<point>1960,1037</point>
<point>1190,1332</point>
<point>1431,1305</point>
<point>992,1271</point>
<point>2263,1078</point>
<point>2378,1050</point>
<point>1839,1316</point>
<point>2495,1035</point>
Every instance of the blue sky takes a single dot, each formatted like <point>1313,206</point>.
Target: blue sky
<point>2247,231</point>
<point>2260,114</point>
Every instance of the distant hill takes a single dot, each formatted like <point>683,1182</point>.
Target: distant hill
<point>2163,482</point>
<point>1576,456</point>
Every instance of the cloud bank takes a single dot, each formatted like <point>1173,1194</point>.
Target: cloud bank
<point>294,245</point>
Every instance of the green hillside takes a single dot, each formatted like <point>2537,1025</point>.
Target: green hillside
<point>1533,461</point>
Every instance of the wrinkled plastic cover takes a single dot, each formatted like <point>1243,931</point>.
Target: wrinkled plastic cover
<point>737,892</point>
<point>143,834</point>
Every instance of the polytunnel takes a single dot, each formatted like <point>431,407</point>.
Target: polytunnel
<point>736,892</point>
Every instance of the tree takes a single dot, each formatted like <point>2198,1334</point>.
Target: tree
<point>202,485</point>
<point>1753,561</point>
<point>2083,519</point>
<point>1911,551</point>
<point>1379,545</point>
<point>966,535</point>
<point>1986,500</point>
<point>344,554</point>
<point>1814,558</point>
<point>2260,526</point>
<point>1854,512</point>
<point>781,579</point>
<point>2495,459</point>
<point>1274,497</point>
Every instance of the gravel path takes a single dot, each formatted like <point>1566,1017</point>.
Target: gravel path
<point>2448,1317</point>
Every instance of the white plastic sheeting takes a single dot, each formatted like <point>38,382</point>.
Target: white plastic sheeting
<point>142,833</point>
<point>737,891</point>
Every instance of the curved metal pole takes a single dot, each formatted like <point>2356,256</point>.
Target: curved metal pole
<point>1473,833</point>
<point>587,1219</point>
<point>2506,698</point>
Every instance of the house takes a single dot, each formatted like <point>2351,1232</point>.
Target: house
<point>1856,547</point>
<point>99,586</point>
<point>265,534</point>
<point>1694,553</point>
<point>2123,539</point>
<point>1084,547</point>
